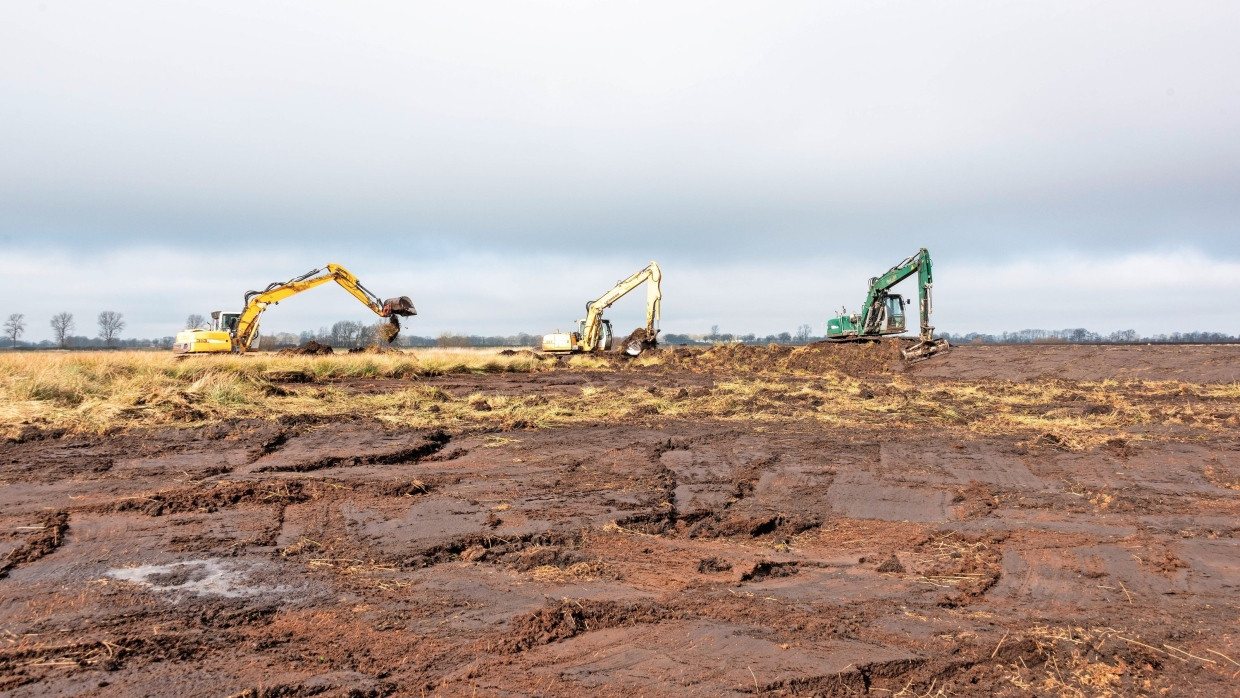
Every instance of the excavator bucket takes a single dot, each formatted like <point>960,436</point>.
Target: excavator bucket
<point>924,350</point>
<point>639,341</point>
<point>399,306</point>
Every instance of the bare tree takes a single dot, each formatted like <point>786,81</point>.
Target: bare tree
<point>62,325</point>
<point>194,321</point>
<point>14,326</point>
<point>345,332</point>
<point>804,332</point>
<point>371,335</point>
<point>110,325</point>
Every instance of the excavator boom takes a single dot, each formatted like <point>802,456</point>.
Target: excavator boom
<point>237,332</point>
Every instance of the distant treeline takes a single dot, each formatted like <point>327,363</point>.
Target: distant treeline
<point>346,337</point>
<point>1080,335</point>
<point>81,342</point>
<point>348,334</point>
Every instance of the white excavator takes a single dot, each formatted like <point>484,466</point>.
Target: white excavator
<point>594,332</point>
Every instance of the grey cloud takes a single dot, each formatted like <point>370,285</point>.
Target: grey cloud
<point>771,156</point>
<point>726,129</point>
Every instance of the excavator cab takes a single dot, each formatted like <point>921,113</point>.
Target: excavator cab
<point>225,322</point>
<point>604,333</point>
<point>895,314</point>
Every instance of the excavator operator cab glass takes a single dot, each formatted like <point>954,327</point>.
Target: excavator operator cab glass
<point>895,313</point>
<point>604,335</point>
<point>228,322</point>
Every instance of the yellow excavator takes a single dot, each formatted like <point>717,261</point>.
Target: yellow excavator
<point>594,333</point>
<point>236,332</point>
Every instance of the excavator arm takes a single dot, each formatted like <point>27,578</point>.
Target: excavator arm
<point>871,314</point>
<point>652,276</point>
<point>258,301</point>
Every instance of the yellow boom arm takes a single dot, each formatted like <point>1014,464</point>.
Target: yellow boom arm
<point>257,301</point>
<point>654,296</point>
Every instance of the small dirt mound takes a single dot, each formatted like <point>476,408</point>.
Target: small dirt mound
<point>528,354</point>
<point>711,565</point>
<point>540,556</point>
<point>767,570</point>
<point>373,349</point>
<point>44,542</point>
<point>892,566</point>
<point>738,524</point>
<point>311,348</point>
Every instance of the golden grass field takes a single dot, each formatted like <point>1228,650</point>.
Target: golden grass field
<point>93,392</point>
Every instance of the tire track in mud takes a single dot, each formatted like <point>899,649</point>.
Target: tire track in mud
<point>974,557</point>
<point>816,626</point>
<point>661,512</point>
<point>225,494</point>
<point>715,522</point>
<point>433,443</point>
<point>521,553</point>
<point>108,655</point>
<point>727,522</point>
<point>41,543</point>
<point>556,548</point>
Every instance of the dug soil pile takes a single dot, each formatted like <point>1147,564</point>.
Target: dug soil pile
<point>376,350</point>
<point>638,335</point>
<point>852,358</point>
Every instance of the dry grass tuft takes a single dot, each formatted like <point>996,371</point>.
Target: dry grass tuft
<point>95,391</point>
<point>1102,661</point>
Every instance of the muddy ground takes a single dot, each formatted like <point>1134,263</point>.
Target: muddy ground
<point>639,557</point>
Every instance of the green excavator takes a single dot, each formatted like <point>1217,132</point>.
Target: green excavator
<point>883,312</point>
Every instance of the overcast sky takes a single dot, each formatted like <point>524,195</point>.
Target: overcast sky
<point>1066,163</point>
